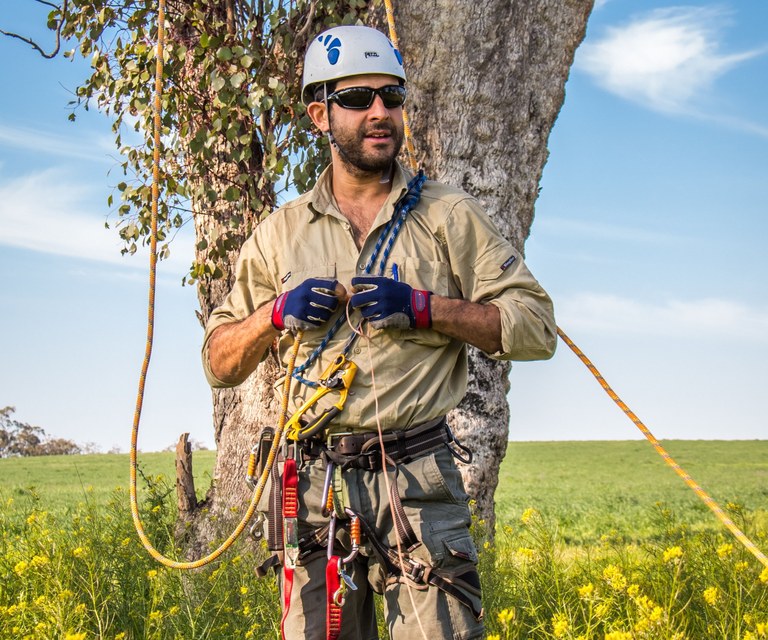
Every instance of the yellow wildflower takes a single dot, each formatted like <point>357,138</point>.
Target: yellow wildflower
<point>174,610</point>
<point>711,595</point>
<point>761,628</point>
<point>724,550</point>
<point>633,590</point>
<point>79,552</point>
<point>120,636</point>
<point>65,594</point>
<point>642,625</point>
<point>559,625</point>
<point>155,616</point>
<point>75,636</point>
<point>31,518</point>
<point>39,561</point>
<point>526,552</point>
<point>125,542</point>
<point>156,509</point>
<point>749,636</point>
<point>764,576</point>
<point>586,591</point>
<point>602,610</point>
<point>506,616</point>
<point>528,515</point>
<point>80,609</point>
<point>152,573</point>
<point>618,635</point>
<point>741,566</point>
<point>614,577</point>
<point>21,567</point>
<point>673,553</point>
<point>243,590</point>
<point>656,614</point>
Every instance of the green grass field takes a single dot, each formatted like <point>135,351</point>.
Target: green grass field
<point>589,489</point>
<point>595,541</point>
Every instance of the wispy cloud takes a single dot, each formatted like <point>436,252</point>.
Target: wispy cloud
<point>89,146</point>
<point>50,212</point>
<point>711,318</point>
<point>664,60</point>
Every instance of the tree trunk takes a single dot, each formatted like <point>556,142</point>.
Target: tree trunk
<point>486,82</point>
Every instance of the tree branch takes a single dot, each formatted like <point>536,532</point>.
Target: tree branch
<point>32,43</point>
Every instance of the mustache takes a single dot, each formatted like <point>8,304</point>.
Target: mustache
<point>386,130</point>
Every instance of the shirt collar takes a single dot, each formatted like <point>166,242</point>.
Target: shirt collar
<point>323,203</point>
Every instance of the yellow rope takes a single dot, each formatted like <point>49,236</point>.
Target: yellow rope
<point>169,562</point>
<point>410,150</point>
<point>705,497</point>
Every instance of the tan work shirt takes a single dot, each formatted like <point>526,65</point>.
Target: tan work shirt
<point>448,245</point>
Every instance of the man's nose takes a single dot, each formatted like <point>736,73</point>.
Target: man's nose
<point>377,109</point>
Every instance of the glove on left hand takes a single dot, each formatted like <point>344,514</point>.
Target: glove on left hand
<point>308,306</point>
<point>387,303</point>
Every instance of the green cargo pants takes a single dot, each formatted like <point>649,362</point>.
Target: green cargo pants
<point>434,499</point>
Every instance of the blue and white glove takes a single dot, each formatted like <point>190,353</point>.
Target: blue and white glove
<point>308,306</point>
<point>389,304</point>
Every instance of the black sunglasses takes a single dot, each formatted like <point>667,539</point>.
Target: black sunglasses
<point>392,96</point>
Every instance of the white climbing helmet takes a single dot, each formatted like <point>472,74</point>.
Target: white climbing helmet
<point>341,52</point>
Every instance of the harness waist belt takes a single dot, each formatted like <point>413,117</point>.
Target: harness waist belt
<point>363,450</point>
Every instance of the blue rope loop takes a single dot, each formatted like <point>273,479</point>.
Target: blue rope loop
<point>402,208</point>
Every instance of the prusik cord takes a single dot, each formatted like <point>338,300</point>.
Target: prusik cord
<point>705,497</point>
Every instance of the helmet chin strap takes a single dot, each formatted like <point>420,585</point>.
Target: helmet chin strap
<point>385,174</point>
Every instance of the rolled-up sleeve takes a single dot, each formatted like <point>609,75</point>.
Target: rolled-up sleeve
<point>253,288</point>
<point>489,270</point>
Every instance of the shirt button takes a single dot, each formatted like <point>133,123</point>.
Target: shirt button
<point>357,350</point>
<point>361,267</point>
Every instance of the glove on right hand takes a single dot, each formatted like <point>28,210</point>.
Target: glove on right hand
<point>308,306</point>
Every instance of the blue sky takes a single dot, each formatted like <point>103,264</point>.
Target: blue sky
<point>649,234</point>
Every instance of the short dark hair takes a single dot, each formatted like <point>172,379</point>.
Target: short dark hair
<point>323,89</point>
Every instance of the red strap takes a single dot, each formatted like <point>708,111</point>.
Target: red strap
<point>290,489</point>
<point>277,312</point>
<point>290,510</point>
<point>332,608</point>
<point>422,309</point>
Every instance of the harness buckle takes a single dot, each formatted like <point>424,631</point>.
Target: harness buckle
<point>414,571</point>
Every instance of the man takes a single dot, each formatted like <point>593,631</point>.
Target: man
<point>423,271</point>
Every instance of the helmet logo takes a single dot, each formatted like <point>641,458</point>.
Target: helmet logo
<point>371,54</point>
<point>397,54</point>
<point>333,48</point>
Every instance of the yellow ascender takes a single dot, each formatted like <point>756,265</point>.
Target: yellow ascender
<point>337,377</point>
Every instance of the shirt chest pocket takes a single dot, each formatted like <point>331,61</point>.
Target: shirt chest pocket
<point>297,273</point>
<point>430,276</point>
<point>425,274</point>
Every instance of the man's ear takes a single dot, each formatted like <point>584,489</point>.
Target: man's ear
<point>319,114</point>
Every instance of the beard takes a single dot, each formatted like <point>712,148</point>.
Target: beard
<point>351,147</point>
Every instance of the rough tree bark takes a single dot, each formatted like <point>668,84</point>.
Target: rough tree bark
<point>486,83</point>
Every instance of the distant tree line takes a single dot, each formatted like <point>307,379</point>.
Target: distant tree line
<point>21,439</point>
